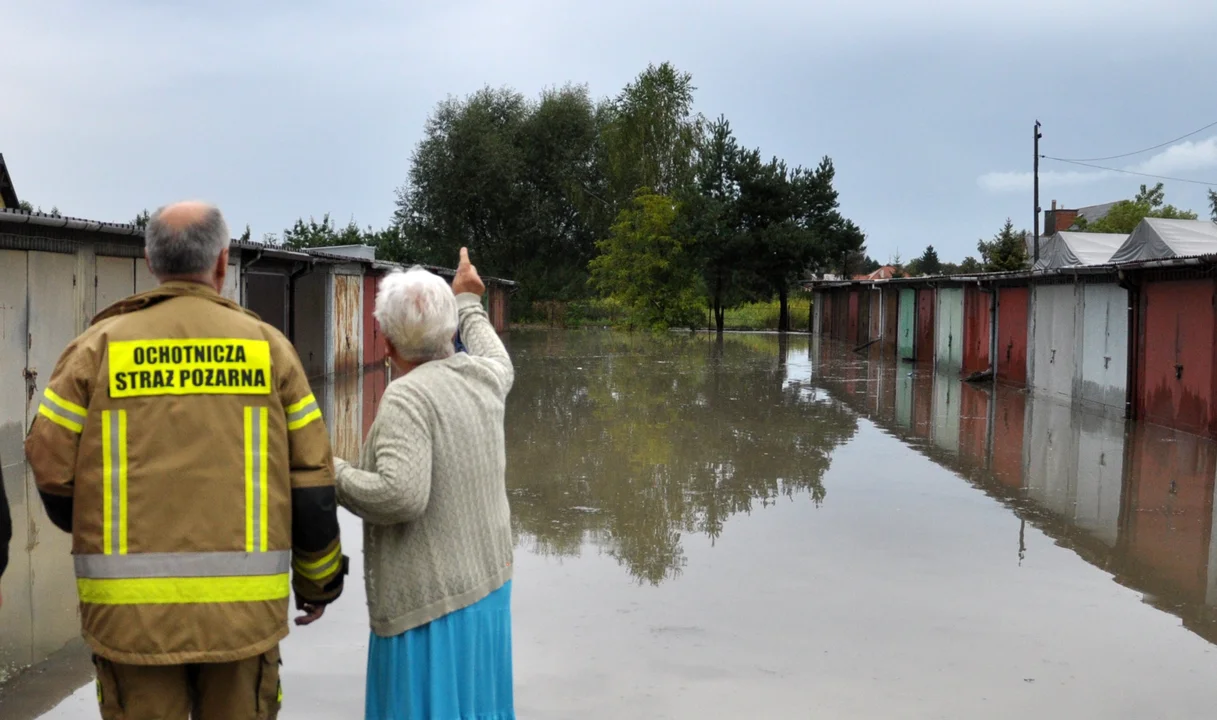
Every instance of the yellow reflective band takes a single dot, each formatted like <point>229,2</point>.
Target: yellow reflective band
<point>249,480</point>
<point>296,407</point>
<point>58,419</point>
<point>297,424</point>
<point>177,591</point>
<point>65,404</point>
<point>122,482</point>
<point>264,486</point>
<point>210,366</point>
<point>318,569</point>
<point>279,693</point>
<point>114,481</point>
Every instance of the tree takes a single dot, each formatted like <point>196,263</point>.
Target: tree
<point>1124,216</point>
<point>970,265</point>
<point>25,207</point>
<point>646,267</point>
<point>141,219</point>
<point>1007,251</point>
<point>928,263</point>
<point>1213,204</point>
<point>245,235</point>
<point>710,212</point>
<point>652,134</point>
<point>519,183</point>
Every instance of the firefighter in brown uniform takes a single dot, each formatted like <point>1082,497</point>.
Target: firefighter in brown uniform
<point>179,443</point>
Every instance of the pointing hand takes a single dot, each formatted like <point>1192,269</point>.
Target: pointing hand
<point>467,279</point>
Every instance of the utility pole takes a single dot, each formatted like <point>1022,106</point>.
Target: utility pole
<point>1038,135</point>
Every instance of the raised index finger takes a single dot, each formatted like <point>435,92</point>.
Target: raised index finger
<point>464,256</point>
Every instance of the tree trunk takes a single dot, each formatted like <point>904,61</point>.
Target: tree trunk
<point>720,314</point>
<point>784,315</point>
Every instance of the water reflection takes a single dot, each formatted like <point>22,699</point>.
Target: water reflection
<point>1133,499</point>
<point>629,443</point>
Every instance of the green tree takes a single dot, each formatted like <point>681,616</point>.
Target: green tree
<point>928,263</point>
<point>1213,204</point>
<point>710,212</point>
<point>970,265</point>
<point>651,135</point>
<point>1007,251</point>
<point>519,183</point>
<point>1126,215</point>
<point>25,207</point>
<point>646,267</point>
<point>141,219</point>
<point>245,235</point>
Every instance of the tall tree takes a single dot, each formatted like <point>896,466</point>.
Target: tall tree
<point>651,135</point>
<point>928,263</point>
<point>647,267</point>
<point>1213,204</point>
<point>1007,251</point>
<point>710,212</point>
<point>519,183</point>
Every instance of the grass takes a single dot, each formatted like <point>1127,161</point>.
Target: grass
<point>764,315</point>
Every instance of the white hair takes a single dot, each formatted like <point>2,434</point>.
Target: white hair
<point>417,312</point>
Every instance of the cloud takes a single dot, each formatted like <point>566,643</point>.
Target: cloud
<point>1181,160</point>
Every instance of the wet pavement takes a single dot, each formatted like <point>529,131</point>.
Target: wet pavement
<point>782,528</point>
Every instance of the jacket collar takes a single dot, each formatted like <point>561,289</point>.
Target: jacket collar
<point>168,291</point>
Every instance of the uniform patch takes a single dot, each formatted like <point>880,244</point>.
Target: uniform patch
<point>216,366</point>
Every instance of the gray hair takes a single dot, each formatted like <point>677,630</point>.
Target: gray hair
<point>417,312</point>
<point>188,249</point>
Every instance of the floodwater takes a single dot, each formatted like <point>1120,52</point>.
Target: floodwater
<point>782,528</point>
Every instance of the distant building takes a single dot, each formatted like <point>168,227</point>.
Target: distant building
<point>8,196</point>
<point>887,272</point>
<point>1061,219</point>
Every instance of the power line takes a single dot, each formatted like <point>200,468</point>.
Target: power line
<point>1138,152</point>
<point>1130,172</point>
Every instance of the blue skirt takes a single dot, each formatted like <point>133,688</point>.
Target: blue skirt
<point>457,667</point>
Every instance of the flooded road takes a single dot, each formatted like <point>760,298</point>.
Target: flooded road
<point>781,528</point>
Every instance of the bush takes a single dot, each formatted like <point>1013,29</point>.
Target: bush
<point>765,315</point>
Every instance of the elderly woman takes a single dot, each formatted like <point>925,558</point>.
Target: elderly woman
<point>430,488</point>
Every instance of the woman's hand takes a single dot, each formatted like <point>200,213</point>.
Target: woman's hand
<point>467,279</point>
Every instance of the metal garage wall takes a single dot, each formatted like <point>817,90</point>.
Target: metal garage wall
<point>854,318</point>
<point>144,279</point>
<point>348,340</point>
<point>948,330</point>
<point>1104,350</point>
<point>876,314</point>
<point>1009,429</point>
<point>232,283</point>
<point>906,324</point>
<point>266,296</point>
<point>977,330</point>
<point>947,392</point>
<point>926,308</point>
<point>313,309</point>
<point>16,626</point>
<point>891,318</point>
<point>1013,304</point>
<point>115,280</point>
<point>817,313</point>
<point>1054,341</point>
<point>1175,373</point>
<point>1100,476</point>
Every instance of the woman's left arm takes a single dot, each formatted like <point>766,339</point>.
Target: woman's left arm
<point>398,489</point>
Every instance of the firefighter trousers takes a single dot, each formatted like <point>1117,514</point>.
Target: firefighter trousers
<point>247,689</point>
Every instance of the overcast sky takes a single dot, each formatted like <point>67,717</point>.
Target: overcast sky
<point>285,108</point>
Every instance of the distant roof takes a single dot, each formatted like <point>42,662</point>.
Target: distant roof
<point>1094,213</point>
<point>1073,249</point>
<point>886,272</point>
<point>1159,238</point>
<point>7,193</point>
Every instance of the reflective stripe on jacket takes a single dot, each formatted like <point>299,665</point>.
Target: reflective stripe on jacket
<point>179,440</point>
